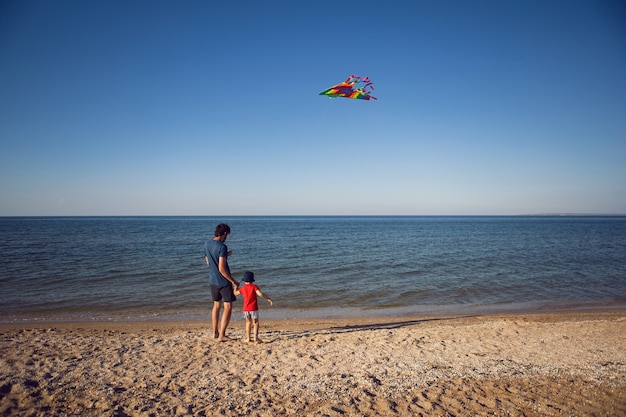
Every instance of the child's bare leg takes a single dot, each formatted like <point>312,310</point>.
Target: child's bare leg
<point>256,331</point>
<point>248,328</point>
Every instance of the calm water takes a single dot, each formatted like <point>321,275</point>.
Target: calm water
<point>152,268</point>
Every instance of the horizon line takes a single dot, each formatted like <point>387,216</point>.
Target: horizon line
<point>324,215</point>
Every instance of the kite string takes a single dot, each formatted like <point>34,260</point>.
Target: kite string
<point>322,122</point>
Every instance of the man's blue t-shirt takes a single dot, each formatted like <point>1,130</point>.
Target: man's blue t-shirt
<point>214,249</point>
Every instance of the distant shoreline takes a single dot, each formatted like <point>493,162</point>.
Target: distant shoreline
<point>236,216</point>
<point>305,316</point>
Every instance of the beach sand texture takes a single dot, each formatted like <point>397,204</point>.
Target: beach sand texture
<point>523,364</point>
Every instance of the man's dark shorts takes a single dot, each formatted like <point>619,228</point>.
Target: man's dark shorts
<point>225,294</point>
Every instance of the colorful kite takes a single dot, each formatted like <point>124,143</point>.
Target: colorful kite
<point>348,89</point>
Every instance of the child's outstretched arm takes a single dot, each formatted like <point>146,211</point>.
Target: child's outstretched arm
<point>260,294</point>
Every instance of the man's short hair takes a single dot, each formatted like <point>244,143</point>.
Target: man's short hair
<point>222,229</point>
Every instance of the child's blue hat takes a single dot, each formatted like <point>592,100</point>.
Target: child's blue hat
<point>248,276</point>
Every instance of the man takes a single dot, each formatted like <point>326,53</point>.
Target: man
<point>222,283</point>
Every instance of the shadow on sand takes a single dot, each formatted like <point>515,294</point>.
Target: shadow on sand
<point>294,334</point>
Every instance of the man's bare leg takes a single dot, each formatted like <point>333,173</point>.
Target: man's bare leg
<point>228,309</point>
<point>215,317</point>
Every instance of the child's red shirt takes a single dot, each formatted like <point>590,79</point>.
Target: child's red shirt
<point>249,297</point>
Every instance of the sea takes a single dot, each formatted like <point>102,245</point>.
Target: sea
<point>152,268</point>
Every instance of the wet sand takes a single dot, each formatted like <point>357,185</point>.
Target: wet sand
<point>521,364</point>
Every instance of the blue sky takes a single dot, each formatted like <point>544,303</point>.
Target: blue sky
<point>212,108</point>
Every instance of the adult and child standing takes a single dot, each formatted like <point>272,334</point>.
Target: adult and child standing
<point>224,288</point>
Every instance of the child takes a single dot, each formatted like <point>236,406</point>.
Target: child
<point>250,305</point>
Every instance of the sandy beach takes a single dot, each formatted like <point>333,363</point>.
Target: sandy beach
<point>522,364</point>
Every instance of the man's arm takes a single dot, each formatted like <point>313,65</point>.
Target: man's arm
<point>224,271</point>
